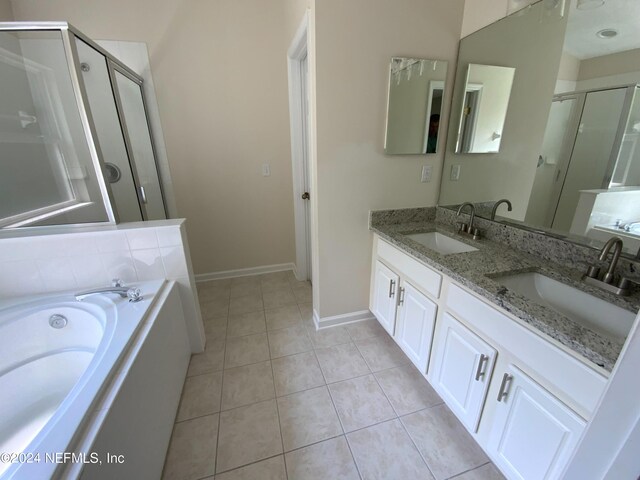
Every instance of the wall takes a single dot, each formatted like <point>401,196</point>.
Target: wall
<point>6,12</point>
<point>220,74</point>
<point>610,70</point>
<point>354,43</point>
<point>480,13</point>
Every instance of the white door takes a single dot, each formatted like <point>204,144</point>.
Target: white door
<point>462,367</point>
<point>416,320</point>
<point>533,433</point>
<point>306,196</point>
<point>383,303</point>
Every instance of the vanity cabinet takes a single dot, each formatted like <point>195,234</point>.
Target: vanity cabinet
<point>532,433</point>
<point>383,298</point>
<point>461,371</point>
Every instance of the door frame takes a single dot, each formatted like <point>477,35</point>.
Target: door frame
<point>298,51</point>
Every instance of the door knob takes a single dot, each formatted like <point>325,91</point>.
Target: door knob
<point>306,196</point>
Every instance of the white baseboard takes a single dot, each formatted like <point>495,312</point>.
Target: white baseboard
<point>344,319</point>
<point>244,272</point>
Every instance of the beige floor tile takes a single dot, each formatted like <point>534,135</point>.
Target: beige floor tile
<point>444,443</point>
<point>386,451</point>
<point>215,328</point>
<point>307,417</point>
<point>328,337</point>
<point>274,281</point>
<point>328,460</point>
<point>341,362</point>
<point>211,308</point>
<point>213,291</point>
<point>191,453</point>
<point>211,360</point>
<point>486,472</point>
<point>248,434</point>
<point>283,317</point>
<point>302,292</point>
<point>407,390</point>
<point>245,289</point>
<point>246,324</point>
<point>245,350</point>
<point>381,353</point>
<point>278,297</point>
<point>288,341</point>
<point>200,396</point>
<point>365,329</point>
<point>306,312</point>
<point>295,373</point>
<point>246,385</point>
<point>214,284</point>
<point>246,304</point>
<point>360,402</point>
<point>270,469</point>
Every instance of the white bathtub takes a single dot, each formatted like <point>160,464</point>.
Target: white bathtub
<point>52,379</point>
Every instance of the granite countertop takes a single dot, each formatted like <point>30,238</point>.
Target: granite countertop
<point>477,271</point>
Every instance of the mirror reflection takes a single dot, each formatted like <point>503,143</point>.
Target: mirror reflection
<point>416,91</point>
<point>484,108</point>
<point>569,159</point>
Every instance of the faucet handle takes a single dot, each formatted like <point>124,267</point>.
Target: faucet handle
<point>116,282</point>
<point>462,227</point>
<point>134,294</point>
<point>593,271</point>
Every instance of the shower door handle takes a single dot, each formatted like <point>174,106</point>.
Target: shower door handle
<point>143,195</point>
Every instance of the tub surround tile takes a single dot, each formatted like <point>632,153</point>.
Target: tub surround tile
<point>407,390</point>
<point>200,396</point>
<point>360,402</point>
<point>386,451</point>
<point>246,350</point>
<point>307,417</point>
<point>444,443</point>
<point>246,324</point>
<point>381,352</point>
<point>283,317</point>
<point>191,451</point>
<point>341,362</point>
<point>246,304</point>
<point>247,384</point>
<point>295,373</point>
<point>211,360</point>
<point>248,434</point>
<point>330,459</point>
<point>288,341</point>
<point>270,469</point>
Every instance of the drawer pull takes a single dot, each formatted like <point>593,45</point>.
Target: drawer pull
<point>504,387</point>
<point>392,288</point>
<point>480,372</point>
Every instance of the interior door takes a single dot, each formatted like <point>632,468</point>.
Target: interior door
<point>383,302</point>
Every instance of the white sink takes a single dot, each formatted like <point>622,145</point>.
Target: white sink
<point>587,310</point>
<point>441,243</point>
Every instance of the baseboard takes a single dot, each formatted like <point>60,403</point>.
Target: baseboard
<point>244,272</point>
<point>344,319</point>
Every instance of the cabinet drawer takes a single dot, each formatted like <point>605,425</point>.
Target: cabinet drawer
<point>421,276</point>
<point>565,375</point>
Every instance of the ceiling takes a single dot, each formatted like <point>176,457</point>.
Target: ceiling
<point>623,15</point>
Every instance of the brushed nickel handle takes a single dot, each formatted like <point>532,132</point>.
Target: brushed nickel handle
<point>392,288</point>
<point>306,196</point>
<point>143,194</point>
<point>401,296</point>
<point>481,366</point>
<point>504,386</point>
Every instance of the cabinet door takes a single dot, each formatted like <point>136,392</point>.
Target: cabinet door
<point>383,302</point>
<point>416,319</point>
<point>462,368</point>
<point>533,433</point>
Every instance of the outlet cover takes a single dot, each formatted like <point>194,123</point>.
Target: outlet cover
<point>455,173</point>
<point>266,170</point>
<point>426,174</point>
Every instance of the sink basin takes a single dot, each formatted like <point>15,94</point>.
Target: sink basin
<point>589,311</point>
<point>441,243</point>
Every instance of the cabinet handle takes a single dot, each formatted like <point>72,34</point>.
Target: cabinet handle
<point>392,288</point>
<point>481,364</point>
<point>504,386</point>
<point>401,296</point>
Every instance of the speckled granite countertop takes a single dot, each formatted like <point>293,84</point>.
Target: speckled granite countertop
<point>477,271</point>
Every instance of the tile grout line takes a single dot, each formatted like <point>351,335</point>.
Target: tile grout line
<point>224,359</point>
<point>457,475</point>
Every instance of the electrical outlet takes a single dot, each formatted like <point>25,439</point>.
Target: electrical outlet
<point>455,173</point>
<point>266,170</point>
<point>426,174</point>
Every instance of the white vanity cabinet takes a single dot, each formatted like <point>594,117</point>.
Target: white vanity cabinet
<point>532,433</point>
<point>383,296</point>
<point>461,369</point>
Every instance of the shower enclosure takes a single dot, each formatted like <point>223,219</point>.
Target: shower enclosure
<point>75,141</point>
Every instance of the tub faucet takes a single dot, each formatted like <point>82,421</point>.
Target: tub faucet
<point>616,243</point>
<point>133,294</point>
<point>497,204</point>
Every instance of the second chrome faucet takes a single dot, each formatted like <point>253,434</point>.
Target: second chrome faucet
<point>468,228</point>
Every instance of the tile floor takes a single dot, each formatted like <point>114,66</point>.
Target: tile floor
<point>271,398</point>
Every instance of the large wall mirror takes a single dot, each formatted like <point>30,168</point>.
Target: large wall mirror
<point>416,92</point>
<point>569,153</point>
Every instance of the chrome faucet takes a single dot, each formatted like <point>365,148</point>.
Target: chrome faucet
<point>616,243</point>
<point>497,204</point>
<point>606,282</point>
<point>133,294</point>
<point>468,228</point>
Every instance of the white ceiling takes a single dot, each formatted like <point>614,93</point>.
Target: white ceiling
<point>623,15</point>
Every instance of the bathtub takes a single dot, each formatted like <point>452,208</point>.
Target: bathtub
<point>60,360</point>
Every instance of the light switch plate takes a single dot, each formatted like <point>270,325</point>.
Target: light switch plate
<point>266,170</point>
<point>455,173</point>
<point>426,174</point>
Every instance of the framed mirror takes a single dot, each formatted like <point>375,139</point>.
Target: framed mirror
<point>484,108</point>
<point>416,92</point>
<point>569,156</point>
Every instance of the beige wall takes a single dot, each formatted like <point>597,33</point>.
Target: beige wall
<point>354,42</point>
<point>6,12</point>
<point>480,13</point>
<point>220,74</point>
